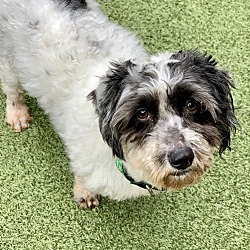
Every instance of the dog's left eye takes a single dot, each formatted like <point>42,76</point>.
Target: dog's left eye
<point>142,114</point>
<point>192,106</point>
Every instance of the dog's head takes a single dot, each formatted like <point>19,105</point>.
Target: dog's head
<point>166,118</point>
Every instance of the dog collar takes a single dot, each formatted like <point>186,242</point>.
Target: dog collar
<point>140,184</point>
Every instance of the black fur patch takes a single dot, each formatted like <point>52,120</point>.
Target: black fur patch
<point>74,4</point>
<point>181,94</point>
<point>130,127</point>
<point>203,69</point>
<point>113,84</point>
<point>118,118</point>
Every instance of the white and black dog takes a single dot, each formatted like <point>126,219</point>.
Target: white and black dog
<point>157,119</point>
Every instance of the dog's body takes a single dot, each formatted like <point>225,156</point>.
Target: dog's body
<point>162,116</point>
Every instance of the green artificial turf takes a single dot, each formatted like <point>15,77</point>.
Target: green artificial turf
<point>36,206</point>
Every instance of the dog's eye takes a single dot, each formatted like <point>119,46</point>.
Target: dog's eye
<point>142,114</point>
<point>192,106</point>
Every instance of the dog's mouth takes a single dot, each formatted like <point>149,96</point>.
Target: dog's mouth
<point>181,178</point>
<point>180,173</point>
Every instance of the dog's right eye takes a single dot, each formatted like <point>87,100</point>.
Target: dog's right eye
<point>142,114</point>
<point>192,106</point>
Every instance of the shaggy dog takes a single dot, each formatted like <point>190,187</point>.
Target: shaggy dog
<point>157,119</point>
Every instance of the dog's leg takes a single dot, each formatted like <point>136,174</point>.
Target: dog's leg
<point>17,113</point>
<point>83,197</point>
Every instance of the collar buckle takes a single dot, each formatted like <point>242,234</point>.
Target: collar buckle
<point>150,190</point>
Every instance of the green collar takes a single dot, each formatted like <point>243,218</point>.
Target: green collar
<point>119,165</point>
<point>140,184</point>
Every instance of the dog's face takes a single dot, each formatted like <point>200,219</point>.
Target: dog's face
<point>166,117</point>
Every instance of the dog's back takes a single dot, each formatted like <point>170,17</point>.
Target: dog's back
<point>51,44</point>
<point>38,42</point>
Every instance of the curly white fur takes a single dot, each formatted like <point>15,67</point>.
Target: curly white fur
<point>56,60</point>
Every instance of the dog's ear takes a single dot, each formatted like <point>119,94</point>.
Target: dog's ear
<point>226,122</point>
<point>106,97</point>
<point>219,82</point>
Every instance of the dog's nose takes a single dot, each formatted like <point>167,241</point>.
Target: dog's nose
<point>181,158</point>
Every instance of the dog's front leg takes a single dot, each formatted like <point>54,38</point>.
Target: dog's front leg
<point>17,112</point>
<point>83,197</point>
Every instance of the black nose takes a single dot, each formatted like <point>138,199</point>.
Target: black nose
<point>181,158</point>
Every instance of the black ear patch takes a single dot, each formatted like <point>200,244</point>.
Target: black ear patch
<point>218,82</point>
<point>105,99</point>
<point>227,122</point>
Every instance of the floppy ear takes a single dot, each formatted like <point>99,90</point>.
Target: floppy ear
<point>105,99</point>
<point>219,82</point>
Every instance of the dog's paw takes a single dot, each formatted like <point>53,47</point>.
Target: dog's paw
<point>18,117</point>
<point>88,201</point>
<point>83,197</point>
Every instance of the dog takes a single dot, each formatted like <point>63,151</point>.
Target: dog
<point>132,123</point>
